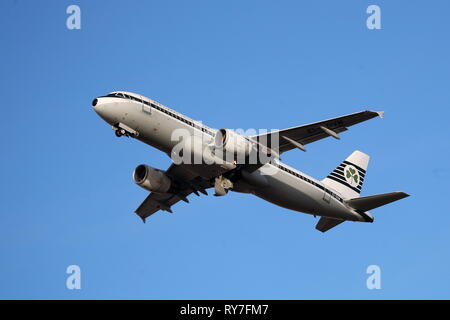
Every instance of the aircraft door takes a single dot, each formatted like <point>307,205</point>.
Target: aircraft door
<point>145,107</point>
<point>326,197</point>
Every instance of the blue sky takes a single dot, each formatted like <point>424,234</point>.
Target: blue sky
<point>67,196</point>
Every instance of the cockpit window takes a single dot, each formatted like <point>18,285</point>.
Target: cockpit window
<point>126,96</point>
<point>116,94</point>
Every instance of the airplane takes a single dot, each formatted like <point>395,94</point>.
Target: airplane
<point>334,199</point>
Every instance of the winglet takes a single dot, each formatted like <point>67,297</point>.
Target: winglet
<point>380,114</point>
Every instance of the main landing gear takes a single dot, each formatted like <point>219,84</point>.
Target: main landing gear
<point>222,185</point>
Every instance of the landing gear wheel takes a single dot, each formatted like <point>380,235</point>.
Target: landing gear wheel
<point>118,133</point>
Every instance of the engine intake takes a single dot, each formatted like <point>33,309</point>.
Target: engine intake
<point>151,179</point>
<point>232,142</point>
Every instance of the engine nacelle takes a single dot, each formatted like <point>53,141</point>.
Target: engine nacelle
<point>232,142</point>
<point>151,179</point>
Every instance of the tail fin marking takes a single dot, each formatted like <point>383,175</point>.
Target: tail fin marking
<point>348,177</point>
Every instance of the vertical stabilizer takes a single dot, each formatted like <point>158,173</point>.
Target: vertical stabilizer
<point>348,177</point>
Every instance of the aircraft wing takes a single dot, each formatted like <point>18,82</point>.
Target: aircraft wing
<point>186,181</point>
<point>155,202</point>
<point>297,137</point>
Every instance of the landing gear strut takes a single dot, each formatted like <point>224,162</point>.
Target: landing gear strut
<point>222,185</point>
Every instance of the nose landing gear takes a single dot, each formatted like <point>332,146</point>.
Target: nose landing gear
<point>123,130</point>
<point>120,132</point>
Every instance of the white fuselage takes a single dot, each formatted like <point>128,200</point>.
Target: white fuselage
<point>286,187</point>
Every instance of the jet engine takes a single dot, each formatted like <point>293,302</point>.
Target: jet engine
<point>232,142</point>
<point>151,179</point>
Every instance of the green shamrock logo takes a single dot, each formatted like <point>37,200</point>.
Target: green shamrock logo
<point>352,175</point>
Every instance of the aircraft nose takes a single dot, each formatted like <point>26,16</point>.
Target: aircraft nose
<point>97,106</point>
<point>103,110</point>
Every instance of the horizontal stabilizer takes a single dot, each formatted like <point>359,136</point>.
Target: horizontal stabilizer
<point>375,201</point>
<point>326,224</point>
